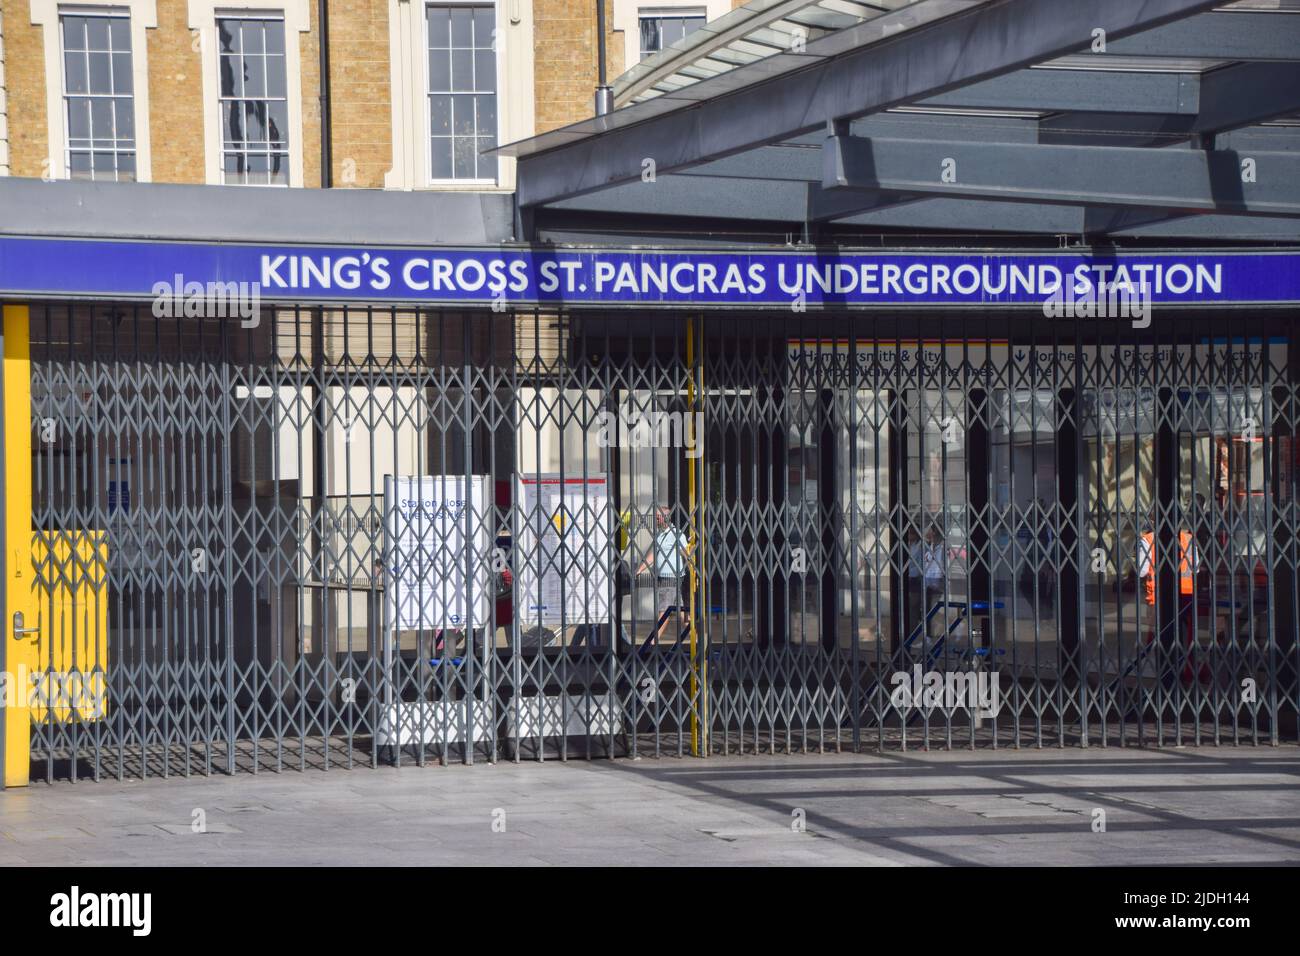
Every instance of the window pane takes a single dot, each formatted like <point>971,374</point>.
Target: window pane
<point>484,21</point>
<point>279,175</point>
<point>126,166</point>
<point>275,76</point>
<point>97,33</point>
<point>251,31</point>
<point>100,73</point>
<point>441,155</point>
<point>79,165</point>
<point>649,35</point>
<point>78,118</point>
<point>462,70</point>
<point>119,34</point>
<point>254,76</point>
<point>74,33</point>
<point>121,72</point>
<point>485,71</point>
<point>101,118</point>
<point>274,36</point>
<point>255,121</point>
<point>439,27</point>
<point>439,70</point>
<point>227,36</point>
<point>74,72</point>
<point>232,122</point>
<point>102,163</point>
<point>487,114</point>
<point>462,27</point>
<point>463,165</point>
<point>462,116</point>
<point>124,110</point>
<point>277,119</point>
<point>440,114</point>
<point>230,74</point>
<point>487,165</point>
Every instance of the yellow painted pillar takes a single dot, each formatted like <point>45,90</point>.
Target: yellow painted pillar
<point>20,655</point>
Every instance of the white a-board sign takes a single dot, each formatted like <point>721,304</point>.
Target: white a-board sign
<point>564,549</point>
<point>438,553</point>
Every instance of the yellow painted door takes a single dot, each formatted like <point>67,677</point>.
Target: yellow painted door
<point>21,650</point>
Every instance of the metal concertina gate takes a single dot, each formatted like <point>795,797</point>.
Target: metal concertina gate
<point>655,534</point>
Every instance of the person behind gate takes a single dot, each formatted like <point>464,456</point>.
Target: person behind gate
<point>1185,619</point>
<point>668,561</point>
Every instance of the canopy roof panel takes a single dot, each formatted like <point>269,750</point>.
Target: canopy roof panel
<point>831,112</point>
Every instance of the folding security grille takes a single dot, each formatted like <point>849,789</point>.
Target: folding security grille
<point>362,535</point>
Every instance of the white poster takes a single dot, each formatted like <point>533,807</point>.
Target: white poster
<point>564,550</point>
<point>429,557</point>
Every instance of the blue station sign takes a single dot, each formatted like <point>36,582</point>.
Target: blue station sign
<point>92,268</point>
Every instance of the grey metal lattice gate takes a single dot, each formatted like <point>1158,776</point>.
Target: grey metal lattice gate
<point>361,535</point>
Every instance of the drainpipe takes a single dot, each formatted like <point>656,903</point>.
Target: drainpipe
<point>604,92</point>
<point>326,160</point>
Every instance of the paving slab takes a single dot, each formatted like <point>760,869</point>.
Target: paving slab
<point>1189,806</point>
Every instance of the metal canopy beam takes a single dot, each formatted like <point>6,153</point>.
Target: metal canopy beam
<point>727,199</point>
<point>1221,35</point>
<point>801,159</point>
<point>979,216</point>
<point>850,205</point>
<point>975,44</point>
<point>1114,129</point>
<point>1242,94</point>
<point>1054,91</point>
<point>1246,94</point>
<point>708,197</point>
<point>1187,180</point>
<point>825,205</point>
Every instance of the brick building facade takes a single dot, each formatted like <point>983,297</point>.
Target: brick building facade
<point>381,116</point>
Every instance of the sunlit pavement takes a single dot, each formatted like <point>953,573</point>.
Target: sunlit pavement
<point>1079,807</point>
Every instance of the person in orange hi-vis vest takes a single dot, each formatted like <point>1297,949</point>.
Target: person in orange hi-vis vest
<point>1188,564</point>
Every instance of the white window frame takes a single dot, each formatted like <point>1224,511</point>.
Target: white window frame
<point>424,88</point>
<point>203,16</point>
<point>628,13</point>
<point>104,13</point>
<point>267,16</point>
<point>143,15</point>
<point>409,69</point>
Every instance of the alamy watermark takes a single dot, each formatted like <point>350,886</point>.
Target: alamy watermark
<point>74,908</point>
<point>651,429</point>
<point>86,694</point>
<point>975,690</point>
<point>1111,301</point>
<point>178,299</point>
